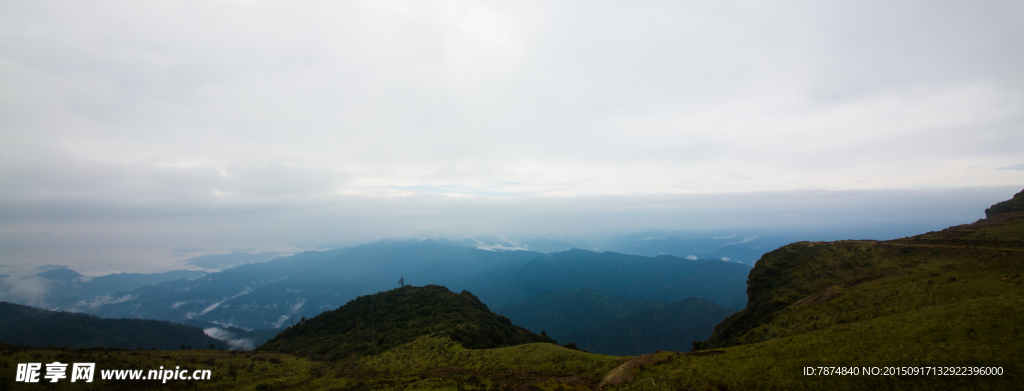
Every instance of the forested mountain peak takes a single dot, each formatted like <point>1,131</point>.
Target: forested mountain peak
<point>375,323</point>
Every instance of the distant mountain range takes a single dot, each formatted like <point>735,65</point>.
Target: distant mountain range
<point>742,247</point>
<point>745,249</point>
<point>237,304</point>
<point>273,294</point>
<point>64,289</point>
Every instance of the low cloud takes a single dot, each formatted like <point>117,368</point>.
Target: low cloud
<point>233,341</point>
<point>103,300</point>
<point>292,310</point>
<point>280,321</point>
<point>506,245</point>
<point>28,290</point>
<point>745,240</point>
<point>126,146</point>
<point>181,303</point>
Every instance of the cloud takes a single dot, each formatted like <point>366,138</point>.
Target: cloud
<point>181,303</point>
<point>28,290</point>
<point>1012,167</point>
<point>233,341</point>
<point>103,300</point>
<point>510,245</point>
<point>745,240</point>
<point>280,321</point>
<point>485,98</point>
<point>209,308</point>
<point>282,127</point>
<point>292,309</point>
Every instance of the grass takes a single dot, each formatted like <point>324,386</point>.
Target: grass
<point>230,370</point>
<point>429,363</point>
<point>940,299</point>
<point>509,365</point>
<point>980,332</point>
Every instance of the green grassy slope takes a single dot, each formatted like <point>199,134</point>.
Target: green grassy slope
<point>507,367</point>
<point>230,370</point>
<point>1015,204</point>
<point>861,280</point>
<point>427,363</point>
<point>943,298</point>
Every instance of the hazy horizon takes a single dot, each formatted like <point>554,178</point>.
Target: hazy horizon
<point>158,243</point>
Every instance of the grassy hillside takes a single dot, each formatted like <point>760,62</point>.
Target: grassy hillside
<point>861,280</point>
<point>30,326</point>
<point>230,370</point>
<point>375,323</point>
<point>1015,204</point>
<point>943,298</point>
<point>427,363</point>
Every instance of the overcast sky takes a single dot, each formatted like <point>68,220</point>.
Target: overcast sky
<point>219,125</point>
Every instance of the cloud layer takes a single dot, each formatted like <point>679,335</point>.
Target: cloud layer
<point>130,126</point>
<point>488,98</point>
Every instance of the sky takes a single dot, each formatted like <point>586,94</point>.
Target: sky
<point>134,134</point>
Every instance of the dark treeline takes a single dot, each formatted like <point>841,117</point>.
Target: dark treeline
<point>28,326</point>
